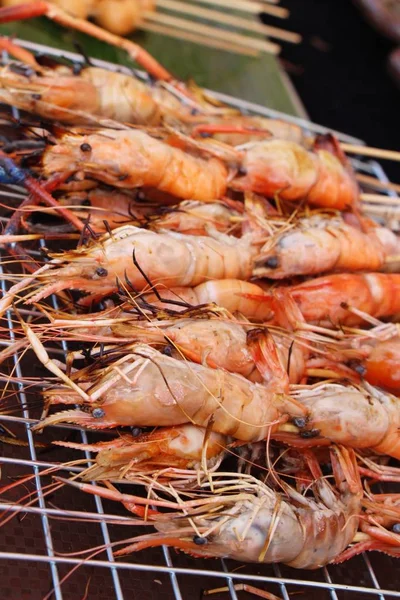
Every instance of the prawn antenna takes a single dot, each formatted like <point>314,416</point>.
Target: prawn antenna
<point>154,288</point>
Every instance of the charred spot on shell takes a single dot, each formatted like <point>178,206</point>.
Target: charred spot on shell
<point>85,147</point>
<point>200,541</point>
<point>300,422</point>
<point>310,433</point>
<point>101,272</point>
<point>98,413</point>
<point>36,96</point>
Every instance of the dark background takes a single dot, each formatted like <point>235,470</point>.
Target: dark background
<point>340,72</point>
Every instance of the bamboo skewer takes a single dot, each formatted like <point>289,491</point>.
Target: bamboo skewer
<point>269,2</point>
<point>373,152</point>
<point>235,21</point>
<point>385,211</point>
<point>380,199</point>
<point>249,6</point>
<point>376,183</point>
<point>219,34</point>
<point>198,39</point>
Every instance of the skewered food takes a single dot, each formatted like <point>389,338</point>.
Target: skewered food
<point>194,236</point>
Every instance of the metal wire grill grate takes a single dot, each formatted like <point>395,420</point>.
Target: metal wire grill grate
<point>34,556</point>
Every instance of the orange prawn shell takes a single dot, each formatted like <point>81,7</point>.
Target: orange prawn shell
<point>383,366</point>
<point>132,158</point>
<point>56,96</point>
<point>335,186</point>
<point>279,167</point>
<point>325,299</point>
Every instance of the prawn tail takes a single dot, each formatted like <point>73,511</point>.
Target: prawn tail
<point>287,313</point>
<point>265,355</point>
<point>77,417</point>
<point>345,469</point>
<point>331,144</point>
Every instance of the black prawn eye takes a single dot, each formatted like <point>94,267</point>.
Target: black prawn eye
<point>310,433</point>
<point>200,541</point>
<point>272,262</point>
<point>300,422</point>
<point>98,413</point>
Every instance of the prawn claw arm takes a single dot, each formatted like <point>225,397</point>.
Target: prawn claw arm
<point>40,8</point>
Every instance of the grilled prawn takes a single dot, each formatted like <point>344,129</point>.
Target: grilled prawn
<point>357,417</point>
<point>166,259</point>
<point>132,158</point>
<point>146,388</point>
<point>325,243</point>
<point>183,447</point>
<point>329,300</point>
<point>287,169</point>
<point>259,525</point>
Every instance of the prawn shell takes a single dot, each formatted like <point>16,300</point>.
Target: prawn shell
<point>132,158</point>
<point>348,416</point>
<point>335,186</point>
<point>383,366</point>
<point>123,97</point>
<point>318,244</point>
<point>280,167</point>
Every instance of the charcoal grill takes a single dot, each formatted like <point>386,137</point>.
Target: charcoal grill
<point>34,545</point>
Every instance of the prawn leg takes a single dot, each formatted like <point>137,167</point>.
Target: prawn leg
<point>41,8</point>
<point>47,362</point>
<point>243,587</point>
<point>112,493</point>
<point>16,175</point>
<point>20,53</point>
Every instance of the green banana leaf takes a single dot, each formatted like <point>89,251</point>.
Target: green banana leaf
<point>256,79</point>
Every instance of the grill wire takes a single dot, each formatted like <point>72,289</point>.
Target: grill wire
<point>34,555</point>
